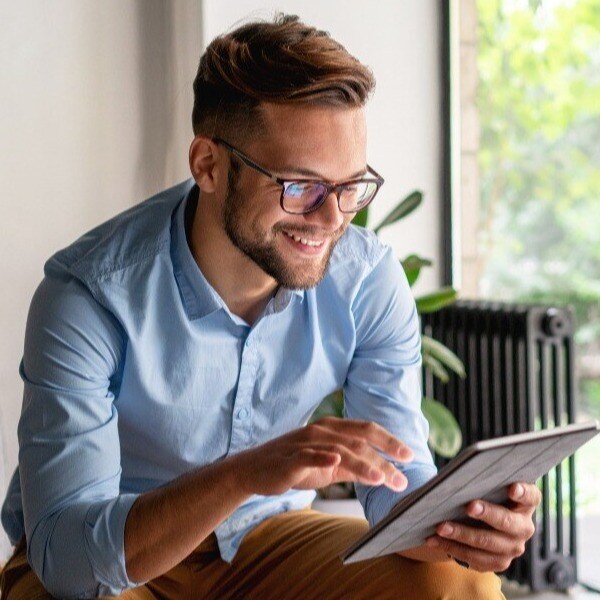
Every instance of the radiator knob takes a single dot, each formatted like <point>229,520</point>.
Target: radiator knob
<point>561,574</point>
<point>555,323</point>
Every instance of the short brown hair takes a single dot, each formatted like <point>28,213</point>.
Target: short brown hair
<point>281,62</point>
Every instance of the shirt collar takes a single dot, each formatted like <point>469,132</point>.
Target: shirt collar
<point>199,298</point>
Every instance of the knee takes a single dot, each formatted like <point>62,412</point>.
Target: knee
<point>24,587</point>
<point>461,583</point>
<point>397,577</point>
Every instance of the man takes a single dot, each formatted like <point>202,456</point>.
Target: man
<point>174,355</point>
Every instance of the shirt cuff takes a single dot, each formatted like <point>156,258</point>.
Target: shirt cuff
<point>378,501</point>
<point>105,541</point>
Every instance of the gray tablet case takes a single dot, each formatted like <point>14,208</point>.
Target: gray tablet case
<point>483,470</point>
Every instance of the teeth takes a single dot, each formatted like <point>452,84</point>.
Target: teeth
<point>303,241</point>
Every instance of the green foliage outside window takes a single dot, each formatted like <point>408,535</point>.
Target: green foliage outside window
<point>539,113</point>
<point>538,104</point>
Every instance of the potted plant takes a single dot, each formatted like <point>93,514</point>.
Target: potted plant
<point>445,437</point>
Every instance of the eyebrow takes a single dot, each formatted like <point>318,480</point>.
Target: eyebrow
<point>288,169</point>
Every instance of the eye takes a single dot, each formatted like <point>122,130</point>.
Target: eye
<point>295,190</point>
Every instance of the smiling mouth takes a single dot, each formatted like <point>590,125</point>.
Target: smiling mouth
<point>305,241</point>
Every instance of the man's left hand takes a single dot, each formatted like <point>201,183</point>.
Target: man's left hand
<point>492,549</point>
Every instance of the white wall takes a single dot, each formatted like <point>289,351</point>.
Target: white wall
<point>400,41</point>
<point>95,116</point>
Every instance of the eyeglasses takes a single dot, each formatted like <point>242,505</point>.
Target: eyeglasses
<point>301,196</point>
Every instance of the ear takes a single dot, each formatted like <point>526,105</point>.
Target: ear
<point>203,163</point>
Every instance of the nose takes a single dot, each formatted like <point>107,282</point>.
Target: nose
<point>328,215</point>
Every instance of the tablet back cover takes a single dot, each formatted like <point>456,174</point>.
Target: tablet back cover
<point>483,470</point>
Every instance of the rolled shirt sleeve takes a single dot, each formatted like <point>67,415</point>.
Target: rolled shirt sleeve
<point>383,381</point>
<point>69,453</point>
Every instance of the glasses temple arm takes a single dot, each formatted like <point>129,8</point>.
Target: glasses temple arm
<point>245,159</point>
<point>375,173</point>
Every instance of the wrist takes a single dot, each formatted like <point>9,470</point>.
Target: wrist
<point>237,476</point>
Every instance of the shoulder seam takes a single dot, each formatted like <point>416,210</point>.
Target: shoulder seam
<point>107,272</point>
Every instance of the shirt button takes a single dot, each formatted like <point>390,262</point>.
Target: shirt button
<point>243,413</point>
<point>248,343</point>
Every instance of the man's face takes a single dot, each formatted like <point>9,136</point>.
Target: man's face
<point>324,144</point>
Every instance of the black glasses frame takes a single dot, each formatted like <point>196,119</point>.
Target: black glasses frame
<point>335,188</point>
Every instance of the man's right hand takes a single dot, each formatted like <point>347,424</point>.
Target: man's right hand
<point>328,451</point>
<point>165,524</point>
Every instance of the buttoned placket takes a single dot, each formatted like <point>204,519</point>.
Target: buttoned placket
<point>241,426</point>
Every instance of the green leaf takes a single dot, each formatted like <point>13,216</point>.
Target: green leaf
<point>405,207</point>
<point>331,406</point>
<point>443,354</point>
<point>432,302</point>
<point>412,266</point>
<point>436,367</point>
<point>361,217</point>
<point>445,437</point>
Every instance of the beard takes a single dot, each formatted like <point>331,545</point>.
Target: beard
<point>251,240</point>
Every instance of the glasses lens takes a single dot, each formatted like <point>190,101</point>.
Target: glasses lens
<point>303,197</point>
<point>357,195</point>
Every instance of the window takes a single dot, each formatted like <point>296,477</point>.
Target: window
<point>526,179</point>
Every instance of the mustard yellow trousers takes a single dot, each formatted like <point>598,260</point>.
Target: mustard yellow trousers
<point>294,555</point>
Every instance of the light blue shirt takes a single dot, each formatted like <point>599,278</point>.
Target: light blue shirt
<point>136,372</point>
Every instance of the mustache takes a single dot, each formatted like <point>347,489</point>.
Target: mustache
<point>310,231</point>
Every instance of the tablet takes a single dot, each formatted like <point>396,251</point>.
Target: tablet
<point>483,470</point>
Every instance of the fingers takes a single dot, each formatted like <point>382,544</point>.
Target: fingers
<point>310,457</point>
<point>374,434</point>
<point>525,494</point>
<point>489,549</point>
<point>330,451</point>
<point>364,466</point>
<point>477,559</point>
<point>356,442</point>
<point>493,542</point>
<point>500,518</point>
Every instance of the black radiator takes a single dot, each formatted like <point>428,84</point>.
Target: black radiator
<point>520,377</point>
